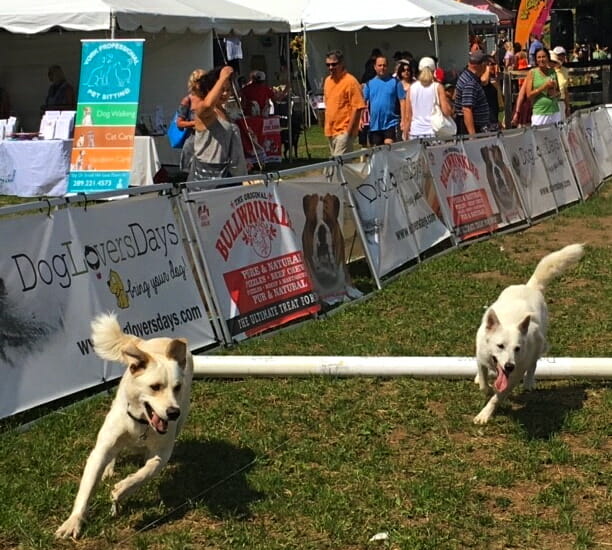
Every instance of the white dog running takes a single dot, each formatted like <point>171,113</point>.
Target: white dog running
<point>512,335</point>
<point>147,413</point>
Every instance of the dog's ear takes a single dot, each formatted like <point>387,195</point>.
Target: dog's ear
<point>524,324</point>
<point>492,321</point>
<point>135,358</point>
<point>177,350</point>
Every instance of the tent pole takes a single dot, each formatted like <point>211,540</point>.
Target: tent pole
<point>113,23</point>
<point>289,98</point>
<point>436,44</point>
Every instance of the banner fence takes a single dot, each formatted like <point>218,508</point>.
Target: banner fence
<point>219,266</point>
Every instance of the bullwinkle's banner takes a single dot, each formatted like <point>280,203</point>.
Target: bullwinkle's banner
<point>254,258</point>
<point>109,88</point>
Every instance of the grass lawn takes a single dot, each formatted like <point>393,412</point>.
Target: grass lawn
<point>324,463</point>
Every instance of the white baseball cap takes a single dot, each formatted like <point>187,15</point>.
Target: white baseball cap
<point>427,62</point>
<point>559,50</point>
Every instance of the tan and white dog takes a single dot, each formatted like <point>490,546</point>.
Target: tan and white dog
<point>513,333</point>
<point>147,413</point>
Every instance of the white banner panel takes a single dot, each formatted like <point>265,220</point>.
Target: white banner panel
<point>562,183</point>
<point>465,197</point>
<point>529,172</point>
<point>249,239</point>
<point>598,148</point>
<point>418,194</point>
<point>603,135</point>
<point>580,155</point>
<point>495,176</point>
<point>59,271</point>
<point>381,212</point>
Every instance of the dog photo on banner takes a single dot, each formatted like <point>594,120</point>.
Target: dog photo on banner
<point>317,213</point>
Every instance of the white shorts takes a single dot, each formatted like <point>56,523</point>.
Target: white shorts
<point>541,120</point>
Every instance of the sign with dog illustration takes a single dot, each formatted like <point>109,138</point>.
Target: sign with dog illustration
<point>109,89</point>
<point>63,269</point>
<point>253,254</point>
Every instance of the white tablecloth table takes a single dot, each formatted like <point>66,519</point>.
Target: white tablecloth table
<point>40,167</point>
<point>34,168</point>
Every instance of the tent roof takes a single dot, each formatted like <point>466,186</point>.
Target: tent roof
<point>34,16</point>
<point>322,14</point>
<point>506,17</point>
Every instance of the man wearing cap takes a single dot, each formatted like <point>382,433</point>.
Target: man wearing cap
<point>558,56</point>
<point>383,93</point>
<point>343,105</point>
<point>471,106</point>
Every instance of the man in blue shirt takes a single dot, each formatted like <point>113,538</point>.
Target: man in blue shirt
<point>386,102</point>
<point>471,106</point>
<point>536,44</point>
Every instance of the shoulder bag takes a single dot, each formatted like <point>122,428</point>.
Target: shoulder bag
<point>176,135</point>
<point>443,126</point>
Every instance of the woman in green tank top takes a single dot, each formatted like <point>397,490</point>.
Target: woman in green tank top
<point>543,91</point>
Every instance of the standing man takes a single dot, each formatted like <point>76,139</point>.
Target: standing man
<point>384,95</point>
<point>343,105</point>
<point>536,44</point>
<point>471,106</point>
<point>560,56</point>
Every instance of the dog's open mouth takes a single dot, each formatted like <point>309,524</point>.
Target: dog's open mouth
<point>157,423</point>
<point>501,382</point>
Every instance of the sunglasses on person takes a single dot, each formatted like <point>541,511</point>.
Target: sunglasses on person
<point>333,64</point>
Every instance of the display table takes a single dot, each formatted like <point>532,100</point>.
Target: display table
<point>40,167</point>
<point>34,168</point>
<point>261,138</point>
<point>145,163</point>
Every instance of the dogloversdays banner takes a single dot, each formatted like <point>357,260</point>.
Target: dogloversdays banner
<point>59,271</point>
<point>109,89</point>
<point>254,258</point>
<point>393,206</point>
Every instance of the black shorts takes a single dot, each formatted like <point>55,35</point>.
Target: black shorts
<point>378,137</point>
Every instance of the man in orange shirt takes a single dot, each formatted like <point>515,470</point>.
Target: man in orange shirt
<point>343,105</point>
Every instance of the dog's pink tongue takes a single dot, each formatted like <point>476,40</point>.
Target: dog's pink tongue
<point>501,382</point>
<point>159,424</point>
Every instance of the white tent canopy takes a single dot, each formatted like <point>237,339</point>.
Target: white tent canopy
<point>36,16</point>
<point>322,14</point>
<point>313,15</point>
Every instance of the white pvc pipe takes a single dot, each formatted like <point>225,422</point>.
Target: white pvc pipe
<point>238,366</point>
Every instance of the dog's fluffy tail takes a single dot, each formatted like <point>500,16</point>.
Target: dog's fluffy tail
<point>555,264</point>
<point>108,339</point>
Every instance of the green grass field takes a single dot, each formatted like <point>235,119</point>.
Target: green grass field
<point>324,463</point>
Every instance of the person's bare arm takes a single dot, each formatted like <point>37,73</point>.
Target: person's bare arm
<point>468,120</point>
<point>205,109</point>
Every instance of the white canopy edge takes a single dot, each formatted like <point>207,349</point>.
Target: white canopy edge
<point>175,16</point>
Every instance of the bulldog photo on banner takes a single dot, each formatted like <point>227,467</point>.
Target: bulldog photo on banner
<point>317,212</point>
<point>494,172</point>
<point>465,196</point>
<point>529,171</point>
<point>251,243</point>
<point>61,270</point>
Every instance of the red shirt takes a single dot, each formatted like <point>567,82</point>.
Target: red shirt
<point>256,91</point>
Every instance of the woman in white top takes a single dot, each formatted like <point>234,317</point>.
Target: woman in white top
<point>420,102</point>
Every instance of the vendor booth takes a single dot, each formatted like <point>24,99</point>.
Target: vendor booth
<point>178,38</point>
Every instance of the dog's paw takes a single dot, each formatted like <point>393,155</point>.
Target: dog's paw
<point>481,418</point>
<point>70,528</point>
